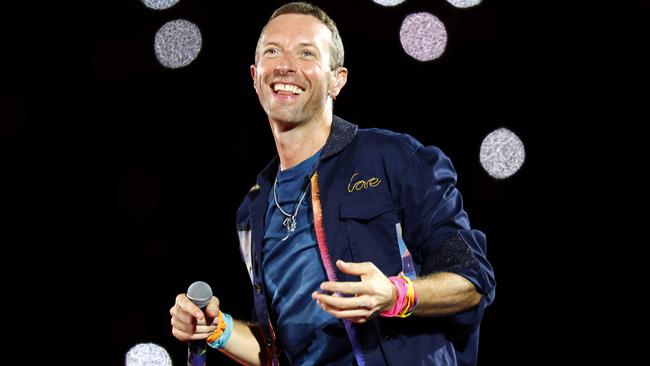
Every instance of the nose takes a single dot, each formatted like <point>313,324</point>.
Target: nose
<point>286,64</point>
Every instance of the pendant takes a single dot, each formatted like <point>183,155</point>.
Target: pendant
<point>290,224</point>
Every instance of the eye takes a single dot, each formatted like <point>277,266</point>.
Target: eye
<point>270,51</point>
<point>308,53</point>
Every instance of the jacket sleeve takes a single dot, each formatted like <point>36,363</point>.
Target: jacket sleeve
<point>436,227</point>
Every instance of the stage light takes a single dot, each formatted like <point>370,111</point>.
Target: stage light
<point>388,2</point>
<point>464,3</point>
<point>177,43</point>
<point>423,36</point>
<point>148,354</point>
<point>159,4</point>
<point>502,153</point>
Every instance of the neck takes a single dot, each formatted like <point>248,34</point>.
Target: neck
<point>297,142</point>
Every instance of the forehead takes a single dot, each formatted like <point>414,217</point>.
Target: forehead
<point>297,28</point>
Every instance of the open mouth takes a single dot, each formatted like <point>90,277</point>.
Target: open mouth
<point>286,89</point>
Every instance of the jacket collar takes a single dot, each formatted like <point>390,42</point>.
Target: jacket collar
<point>341,135</point>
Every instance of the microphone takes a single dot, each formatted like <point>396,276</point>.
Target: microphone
<point>200,294</point>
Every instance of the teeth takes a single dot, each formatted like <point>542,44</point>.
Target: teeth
<point>287,87</point>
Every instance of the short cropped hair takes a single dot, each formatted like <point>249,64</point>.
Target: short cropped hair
<point>337,53</point>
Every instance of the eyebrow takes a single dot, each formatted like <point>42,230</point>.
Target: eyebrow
<point>270,44</point>
<point>307,44</point>
<point>301,44</point>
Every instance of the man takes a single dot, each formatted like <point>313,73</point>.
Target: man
<point>335,219</point>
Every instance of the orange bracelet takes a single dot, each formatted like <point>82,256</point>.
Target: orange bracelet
<point>221,326</point>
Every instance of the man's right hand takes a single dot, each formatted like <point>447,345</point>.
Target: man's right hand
<point>189,323</point>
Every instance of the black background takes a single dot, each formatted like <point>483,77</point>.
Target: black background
<point>120,178</point>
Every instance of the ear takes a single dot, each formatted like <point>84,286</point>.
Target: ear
<point>339,78</point>
<point>253,73</point>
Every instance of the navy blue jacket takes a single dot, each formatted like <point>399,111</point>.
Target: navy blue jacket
<point>379,189</point>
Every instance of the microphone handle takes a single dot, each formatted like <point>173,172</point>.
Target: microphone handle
<point>196,353</point>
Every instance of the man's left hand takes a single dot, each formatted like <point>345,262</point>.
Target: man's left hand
<point>375,293</point>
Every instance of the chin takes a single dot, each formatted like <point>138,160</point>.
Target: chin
<point>286,117</point>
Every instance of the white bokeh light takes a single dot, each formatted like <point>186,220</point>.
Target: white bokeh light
<point>177,43</point>
<point>159,4</point>
<point>148,354</point>
<point>388,2</point>
<point>464,3</point>
<point>502,153</point>
<point>423,36</point>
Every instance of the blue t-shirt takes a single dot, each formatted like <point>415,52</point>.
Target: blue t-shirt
<point>293,270</point>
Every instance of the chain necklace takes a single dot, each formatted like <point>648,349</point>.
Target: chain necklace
<point>289,220</point>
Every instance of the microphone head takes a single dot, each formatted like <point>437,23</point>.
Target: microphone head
<point>199,293</point>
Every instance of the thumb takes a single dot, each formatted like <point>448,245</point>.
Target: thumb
<point>213,307</point>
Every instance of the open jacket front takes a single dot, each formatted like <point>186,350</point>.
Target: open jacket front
<point>383,197</point>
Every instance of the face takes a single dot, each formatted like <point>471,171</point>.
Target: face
<point>292,76</point>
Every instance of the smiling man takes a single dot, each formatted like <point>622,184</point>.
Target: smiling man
<point>356,242</point>
<point>298,72</point>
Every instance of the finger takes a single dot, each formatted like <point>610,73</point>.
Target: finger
<point>188,306</point>
<point>346,303</point>
<point>193,326</point>
<point>180,334</point>
<point>359,320</point>
<point>185,336</point>
<point>352,288</point>
<point>356,269</point>
<point>215,321</point>
<point>181,316</point>
<point>183,326</point>
<point>213,307</point>
<point>204,321</point>
<point>205,329</point>
<point>346,314</point>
